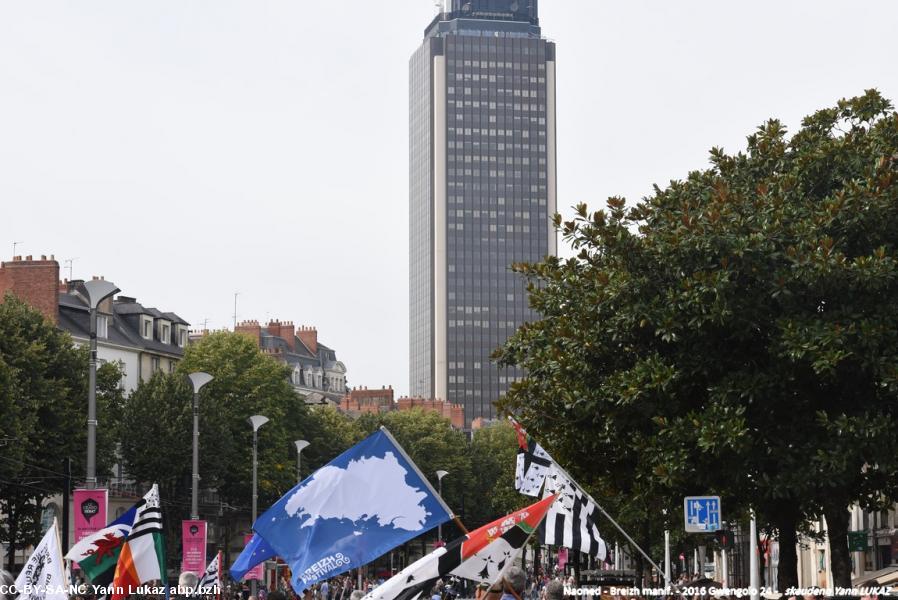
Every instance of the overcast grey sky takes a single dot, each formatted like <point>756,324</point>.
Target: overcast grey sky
<point>188,149</point>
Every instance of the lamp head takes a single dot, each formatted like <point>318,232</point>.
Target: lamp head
<point>257,421</point>
<point>199,379</point>
<point>97,290</point>
<point>441,474</point>
<point>301,445</point>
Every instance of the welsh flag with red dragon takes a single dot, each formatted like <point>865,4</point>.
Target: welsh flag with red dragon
<point>97,554</point>
<point>482,555</point>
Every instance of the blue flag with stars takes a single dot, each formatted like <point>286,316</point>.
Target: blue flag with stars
<point>359,506</point>
<point>256,552</point>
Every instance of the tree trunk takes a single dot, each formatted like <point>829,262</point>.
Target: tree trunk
<point>537,561</point>
<point>787,571</point>
<point>837,517</point>
<point>576,556</point>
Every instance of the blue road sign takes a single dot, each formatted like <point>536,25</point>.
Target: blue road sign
<point>702,513</point>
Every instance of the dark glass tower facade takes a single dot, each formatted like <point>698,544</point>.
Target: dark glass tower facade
<point>481,189</point>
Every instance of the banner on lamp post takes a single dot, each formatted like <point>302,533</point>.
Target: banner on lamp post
<point>193,546</point>
<point>90,508</point>
<point>256,572</point>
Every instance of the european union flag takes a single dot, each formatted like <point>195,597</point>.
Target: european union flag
<point>362,504</point>
<point>256,552</point>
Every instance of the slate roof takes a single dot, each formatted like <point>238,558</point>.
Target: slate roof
<point>74,317</point>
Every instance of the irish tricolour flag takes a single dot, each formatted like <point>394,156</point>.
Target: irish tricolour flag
<point>142,557</point>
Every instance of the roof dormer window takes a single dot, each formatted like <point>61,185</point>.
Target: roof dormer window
<point>164,333</point>
<point>147,328</point>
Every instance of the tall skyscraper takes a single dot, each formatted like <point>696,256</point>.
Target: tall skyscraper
<point>481,192</point>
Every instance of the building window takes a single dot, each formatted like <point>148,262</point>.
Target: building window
<point>183,338</point>
<point>163,333</point>
<point>156,364</point>
<point>102,326</point>
<point>148,329</point>
<point>124,373</point>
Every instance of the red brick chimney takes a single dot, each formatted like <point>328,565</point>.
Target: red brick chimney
<point>252,329</point>
<point>309,337</point>
<point>35,282</point>
<point>285,330</point>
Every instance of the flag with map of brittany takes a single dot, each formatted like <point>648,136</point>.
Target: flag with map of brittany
<point>482,555</point>
<point>359,506</point>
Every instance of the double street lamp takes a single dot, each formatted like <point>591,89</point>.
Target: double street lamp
<point>95,292</point>
<point>197,380</point>
<point>256,421</point>
<point>300,446</point>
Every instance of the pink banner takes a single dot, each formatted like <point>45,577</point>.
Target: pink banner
<point>256,572</point>
<point>90,508</point>
<point>562,558</point>
<point>193,546</point>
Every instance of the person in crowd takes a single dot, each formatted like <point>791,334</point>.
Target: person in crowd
<point>510,587</point>
<point>555,590</point>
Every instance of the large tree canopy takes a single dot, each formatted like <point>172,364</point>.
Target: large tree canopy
<point>43,404</point>
<point>735,333</point>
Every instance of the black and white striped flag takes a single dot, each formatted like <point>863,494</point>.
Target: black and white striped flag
<point>571,521</point>
<point>210,582</point>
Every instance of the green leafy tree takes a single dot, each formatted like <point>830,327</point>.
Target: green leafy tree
<point>493,458</point>
<point>43,393</point>
<point>733,333</point>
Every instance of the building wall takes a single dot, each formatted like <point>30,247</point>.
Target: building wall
<point>36,282</point>
<point>489,156</point>
<point>420,224</point>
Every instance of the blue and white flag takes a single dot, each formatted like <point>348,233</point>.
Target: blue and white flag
<point>359,506</point>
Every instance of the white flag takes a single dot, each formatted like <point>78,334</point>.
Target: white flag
<point>43,576</point>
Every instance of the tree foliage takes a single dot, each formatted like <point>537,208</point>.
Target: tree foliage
<point>734,333</point>
<point>43,401</point>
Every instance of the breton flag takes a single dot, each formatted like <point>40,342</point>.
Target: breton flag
<point>484,554</point>
<point>97,554</point>
<point>571,522</point>
<point>210,582</point>
<point>142,558</point>
<point>533,463</point>
<point>43,576</point>
<point>359,506</point>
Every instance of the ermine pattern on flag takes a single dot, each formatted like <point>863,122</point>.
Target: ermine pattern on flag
<point>571,521</point>
<point>532,463</point>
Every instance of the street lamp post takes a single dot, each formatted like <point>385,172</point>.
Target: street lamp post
<point>197,380</point>
<point>300,446</point>
<point>94,292</point>
<point>440,475</point>
<point>256,421</point>
<point>666,551</point>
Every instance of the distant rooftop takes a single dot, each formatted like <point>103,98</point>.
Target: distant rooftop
<point>503,17</point>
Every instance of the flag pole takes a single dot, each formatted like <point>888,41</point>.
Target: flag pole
<point>604,512</point>
<point>613,522</point>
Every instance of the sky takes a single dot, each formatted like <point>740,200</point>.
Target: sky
<point>191,150</point>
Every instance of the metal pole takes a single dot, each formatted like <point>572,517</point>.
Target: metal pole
<point>194,497</point>
<point>667,558</point>
<point>754,574</point>
<point>299,467</point>
<point>725,573</point>
<point>253,582</point>
<point>91,478</point>
<point>440,527</point>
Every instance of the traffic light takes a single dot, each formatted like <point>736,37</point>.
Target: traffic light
<point>724,538</point>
